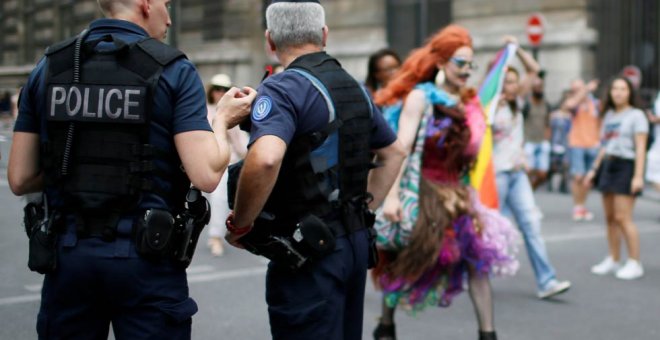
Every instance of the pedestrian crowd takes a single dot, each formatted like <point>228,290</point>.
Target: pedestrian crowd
<point>411,173</point>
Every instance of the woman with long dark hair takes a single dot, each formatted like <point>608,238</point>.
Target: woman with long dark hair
<point>381,67</point>
<point>620,164</point>
<point>441,121</point>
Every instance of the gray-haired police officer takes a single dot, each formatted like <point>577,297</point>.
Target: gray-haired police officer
<point>107,122</point>
<point>312,137</point>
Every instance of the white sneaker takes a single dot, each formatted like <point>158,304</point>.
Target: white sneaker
<point>606,266</point>
<point>553,288</point>
<point>630,271</point>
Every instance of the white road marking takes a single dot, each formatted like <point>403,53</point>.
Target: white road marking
<point>33,288</point>
<point>205,273</point>
<point>592,234</point>
<point>227,274</point>
<point>20,299</point>
<point>199,269</point>
<point>195,278</point>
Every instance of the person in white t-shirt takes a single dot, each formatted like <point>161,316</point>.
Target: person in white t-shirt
<point>620,168</point>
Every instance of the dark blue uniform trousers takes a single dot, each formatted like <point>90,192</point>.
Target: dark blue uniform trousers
<point>142,299</point>
<point>325,302</point>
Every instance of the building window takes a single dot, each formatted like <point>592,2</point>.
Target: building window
<point>628,34</point>
<point>410,22</point>
<point>212,22</point>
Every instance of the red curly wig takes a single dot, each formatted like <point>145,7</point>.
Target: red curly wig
<point>421,64</point>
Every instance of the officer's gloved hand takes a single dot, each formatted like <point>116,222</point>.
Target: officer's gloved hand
<point>234,233</point>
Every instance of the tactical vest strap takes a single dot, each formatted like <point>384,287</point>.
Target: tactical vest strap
<point>161,53</point>
<point>324,172</point>
<point>355,112</point>
<point>50,50</point>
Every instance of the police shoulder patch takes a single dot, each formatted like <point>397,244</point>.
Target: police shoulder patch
<point>262,108</point>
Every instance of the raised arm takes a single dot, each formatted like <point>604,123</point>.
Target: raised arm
<point>205,155</point>
<point>579,92</point>
<point>532,67</point>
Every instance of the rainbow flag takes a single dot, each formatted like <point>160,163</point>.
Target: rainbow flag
<point>482,175</point>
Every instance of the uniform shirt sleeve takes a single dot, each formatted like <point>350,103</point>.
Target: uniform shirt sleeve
<point>188,99</point>
<point>289,105</point>
<point>381,133</point>
<point>274,111</point>
<point>28,110</point>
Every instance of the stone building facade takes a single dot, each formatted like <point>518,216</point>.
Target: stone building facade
<point>228,35</point>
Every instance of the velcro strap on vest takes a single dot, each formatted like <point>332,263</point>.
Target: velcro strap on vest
<point>102,226</point>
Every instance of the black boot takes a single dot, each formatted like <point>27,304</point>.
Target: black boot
<point>385,332</point>
<point>487,335</point>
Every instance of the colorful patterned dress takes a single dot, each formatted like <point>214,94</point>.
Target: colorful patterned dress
<point>472,234</point>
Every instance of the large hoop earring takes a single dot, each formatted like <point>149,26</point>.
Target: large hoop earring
<point>440,78</point>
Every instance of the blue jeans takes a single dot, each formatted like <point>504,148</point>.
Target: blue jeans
<point>538,155</point>
<point>517,201</point>
<point>581,160</point>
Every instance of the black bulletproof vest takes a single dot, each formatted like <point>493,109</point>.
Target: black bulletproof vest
<point>305,186</point>
<point>97,152</point>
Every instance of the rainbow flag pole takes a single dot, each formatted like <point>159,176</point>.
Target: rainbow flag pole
<point>482,175</point>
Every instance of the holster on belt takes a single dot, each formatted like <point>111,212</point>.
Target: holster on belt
<point>41,228</point>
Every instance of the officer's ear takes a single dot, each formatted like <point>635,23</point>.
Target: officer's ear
<point>271,44</point>
<point>325,34</point>
<point>144,7</point>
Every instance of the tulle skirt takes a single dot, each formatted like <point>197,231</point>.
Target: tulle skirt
<point>475,238</point>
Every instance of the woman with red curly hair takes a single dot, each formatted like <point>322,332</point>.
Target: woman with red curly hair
<point>432,228</point>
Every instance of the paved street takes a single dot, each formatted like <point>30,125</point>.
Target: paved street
<point>230,290</point>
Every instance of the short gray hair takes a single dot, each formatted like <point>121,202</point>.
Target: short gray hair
<point>112,7</point>
<point>295,24</point>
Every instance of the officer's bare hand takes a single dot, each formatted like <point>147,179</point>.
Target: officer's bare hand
<point>233,240</point>
<point>235,106</point>
<point>234,233</point>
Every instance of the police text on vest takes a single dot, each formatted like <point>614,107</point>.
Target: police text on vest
<point>96,103</point>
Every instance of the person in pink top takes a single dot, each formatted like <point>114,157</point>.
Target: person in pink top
<point>583,142</point>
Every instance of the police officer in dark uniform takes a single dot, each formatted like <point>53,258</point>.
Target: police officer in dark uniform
<point>113,129</point>
<point>307,176</point>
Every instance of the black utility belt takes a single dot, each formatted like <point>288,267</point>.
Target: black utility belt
<point>157,235</point>
<point>311,240</point>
